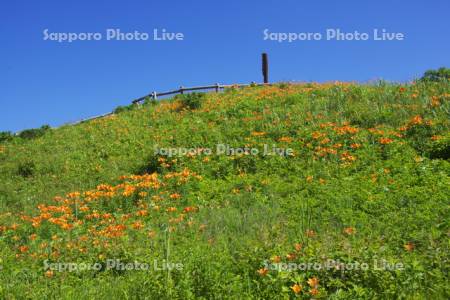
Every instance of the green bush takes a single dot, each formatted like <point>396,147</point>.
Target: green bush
<point>121,109</point>
<point>440,149</point>
<point>192,100</point>
<point>34,133</point>
<point>26,169</point>
<point>5,136</point>
<point>441,74</point>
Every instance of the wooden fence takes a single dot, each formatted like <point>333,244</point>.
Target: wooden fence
<point>154,95</point>
<point>217,87</point>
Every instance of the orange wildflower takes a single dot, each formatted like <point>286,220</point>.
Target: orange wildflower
<point>66,226</point>
<point>276,259</point>
<point>291,256</point>
<point>436,137</point>
<point>129,190</point>
<point>36,224</point>
<point>316,135</point>
<point>142,213</point>
<point>296,288</point>
<point>285,139</point>
<point>385,141</point>
<point>347,157</point>
<point>416,120</point>
<point>314,291</point>
<point>84,208</point>
<point>190,209</point>
<point>325,141</point>
<point>49,274</point>
<point>258,133</point>
<point>107,216</point>
<point>171,209</point>
<point>349,230</point>
<point>137,225</point>
<point>73,195</point>
<point>346,129</point>
<point>409,246</point>
<point>313,282</point>
<point>263,271</point>
<point>175,196</point>
<point>23,249</point>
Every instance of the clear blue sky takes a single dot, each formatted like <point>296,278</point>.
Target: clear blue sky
<point>46,82</point>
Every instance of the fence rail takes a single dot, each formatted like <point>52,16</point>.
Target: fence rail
<point>217,87</point>
<point>154,95</point>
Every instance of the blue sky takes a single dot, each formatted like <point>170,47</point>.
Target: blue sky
<point>46,82</point>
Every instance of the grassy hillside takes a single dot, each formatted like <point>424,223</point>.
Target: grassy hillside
<point>361,178</point>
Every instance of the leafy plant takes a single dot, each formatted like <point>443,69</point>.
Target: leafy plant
<point>6,136</point>
<point>34,133</point>
<point>26,169</point>
<point>121,109</point>
<point>191,100</point>
<point>441,74</point>
<point>440,149</point>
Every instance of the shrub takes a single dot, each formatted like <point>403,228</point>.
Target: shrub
<point>442,74</point>
<point>5,136</point>
<point>34,133</point>
<point>121,109</point>
<point>154,163</point>
<point>26,169</point>
<point>440,149</point>
<point>192,100</point>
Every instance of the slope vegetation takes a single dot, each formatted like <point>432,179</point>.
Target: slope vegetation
<point>335,190</point>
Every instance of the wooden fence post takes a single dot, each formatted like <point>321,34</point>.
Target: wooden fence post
<point>265,67</point>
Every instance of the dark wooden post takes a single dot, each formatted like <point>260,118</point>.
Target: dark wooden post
<point>265,67</point>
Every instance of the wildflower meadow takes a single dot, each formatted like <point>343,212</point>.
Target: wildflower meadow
<point>309,191</point>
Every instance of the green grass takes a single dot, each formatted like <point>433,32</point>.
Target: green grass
<point>368,181</point>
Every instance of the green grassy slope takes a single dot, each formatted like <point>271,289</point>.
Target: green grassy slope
<point>368,181</point>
